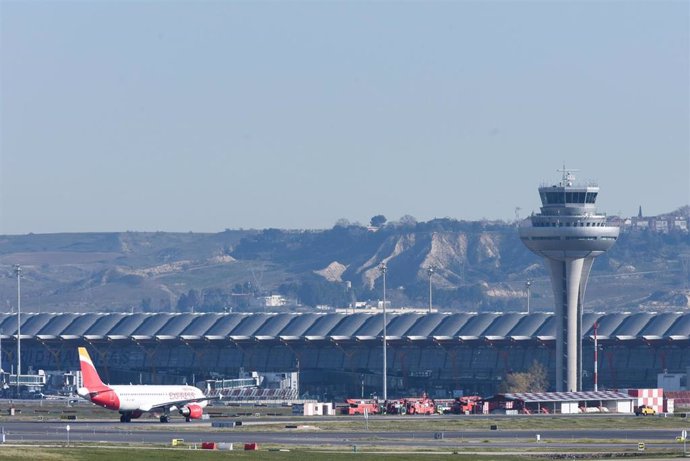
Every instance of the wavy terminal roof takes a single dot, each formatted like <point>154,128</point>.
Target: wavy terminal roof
<point>336,327</point>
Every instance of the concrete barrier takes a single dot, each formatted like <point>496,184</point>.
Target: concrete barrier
<point>227,424</point>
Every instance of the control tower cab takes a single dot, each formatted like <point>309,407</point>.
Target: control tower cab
<point>569,234</point>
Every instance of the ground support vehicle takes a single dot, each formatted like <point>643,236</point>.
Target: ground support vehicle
<point>465,405</point>
<point>360,406</point>
<point>396,407</point>
<point>644,410</point>
<point>421,406</point>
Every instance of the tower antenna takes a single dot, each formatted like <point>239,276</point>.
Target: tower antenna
<point>567,175</point>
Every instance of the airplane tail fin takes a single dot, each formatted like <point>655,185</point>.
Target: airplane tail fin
<point>88,372</point>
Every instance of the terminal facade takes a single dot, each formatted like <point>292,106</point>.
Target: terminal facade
<point>340,355</point>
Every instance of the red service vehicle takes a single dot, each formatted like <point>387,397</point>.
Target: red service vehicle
<point>396,407</point>
<point>465,405</point>
<point>358,406</point>
<point>443,406</point>
<point>423,406</point>
<point>411,406</point>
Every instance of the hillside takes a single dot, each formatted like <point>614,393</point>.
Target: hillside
<point>478,266</point>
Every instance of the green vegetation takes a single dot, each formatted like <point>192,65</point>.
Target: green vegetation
<point>533,380</point>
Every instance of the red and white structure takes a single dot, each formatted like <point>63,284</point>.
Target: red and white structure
<point>653,398</point>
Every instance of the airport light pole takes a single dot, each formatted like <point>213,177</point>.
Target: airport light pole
<point>1,355</point>
<point>528,285</point>
<point>18,271</point>
<point>596,359</point>
<point>430,270</point>
<point>384,269</point>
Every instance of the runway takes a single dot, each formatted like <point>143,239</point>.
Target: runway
<point>147,433</point>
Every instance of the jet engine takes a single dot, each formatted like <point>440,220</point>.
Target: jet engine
<point>192,411</point>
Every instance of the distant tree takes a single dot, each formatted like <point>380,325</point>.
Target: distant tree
<point>240,302</point>
<point>164,304</point>
<point>378,220</point>
<point>146,305</point>
<point>181,303</point>
<point>193,298</point>
<point>342,222</point>
<point>408,221</point>
<point>318,291</point>
<point>188,302</point>
<point>214,300</point>
<point>532,380</point>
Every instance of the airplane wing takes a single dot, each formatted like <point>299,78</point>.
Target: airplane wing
<point>175,403</point>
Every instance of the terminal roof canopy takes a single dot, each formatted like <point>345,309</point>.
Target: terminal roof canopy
<point>337,327</point>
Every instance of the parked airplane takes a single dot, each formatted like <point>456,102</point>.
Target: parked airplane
<point>133,400</point>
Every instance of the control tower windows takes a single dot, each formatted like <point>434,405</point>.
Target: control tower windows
<point>552,198</point>
<point>561,197</point>
<point>575,197</point>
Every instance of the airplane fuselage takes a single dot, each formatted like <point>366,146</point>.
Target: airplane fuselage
<point>144,397</point>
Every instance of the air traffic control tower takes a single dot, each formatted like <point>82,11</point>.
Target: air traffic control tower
<point>569,234</point>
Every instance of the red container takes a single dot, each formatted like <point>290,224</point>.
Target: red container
<point>208,445</point>
<point>251,446</point>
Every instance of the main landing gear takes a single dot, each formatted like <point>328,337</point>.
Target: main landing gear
<point>165,419</point>
<point>125,418</point>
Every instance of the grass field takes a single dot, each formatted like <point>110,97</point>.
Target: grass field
<point>469,423</point>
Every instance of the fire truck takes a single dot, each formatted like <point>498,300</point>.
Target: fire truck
<point>443,406</point>
<point>465,405</point>
<point>411,406</point>
<point>358,407</point>
<point>396,407</point>
<point>422,406</point>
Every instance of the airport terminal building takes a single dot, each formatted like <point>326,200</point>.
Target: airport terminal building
<point>340,355</point>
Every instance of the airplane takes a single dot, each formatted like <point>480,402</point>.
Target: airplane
<point>134,400</point>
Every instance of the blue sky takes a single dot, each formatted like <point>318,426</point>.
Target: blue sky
<point>201,116</point>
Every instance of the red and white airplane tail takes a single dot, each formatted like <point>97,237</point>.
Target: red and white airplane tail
<point>92,382</point>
